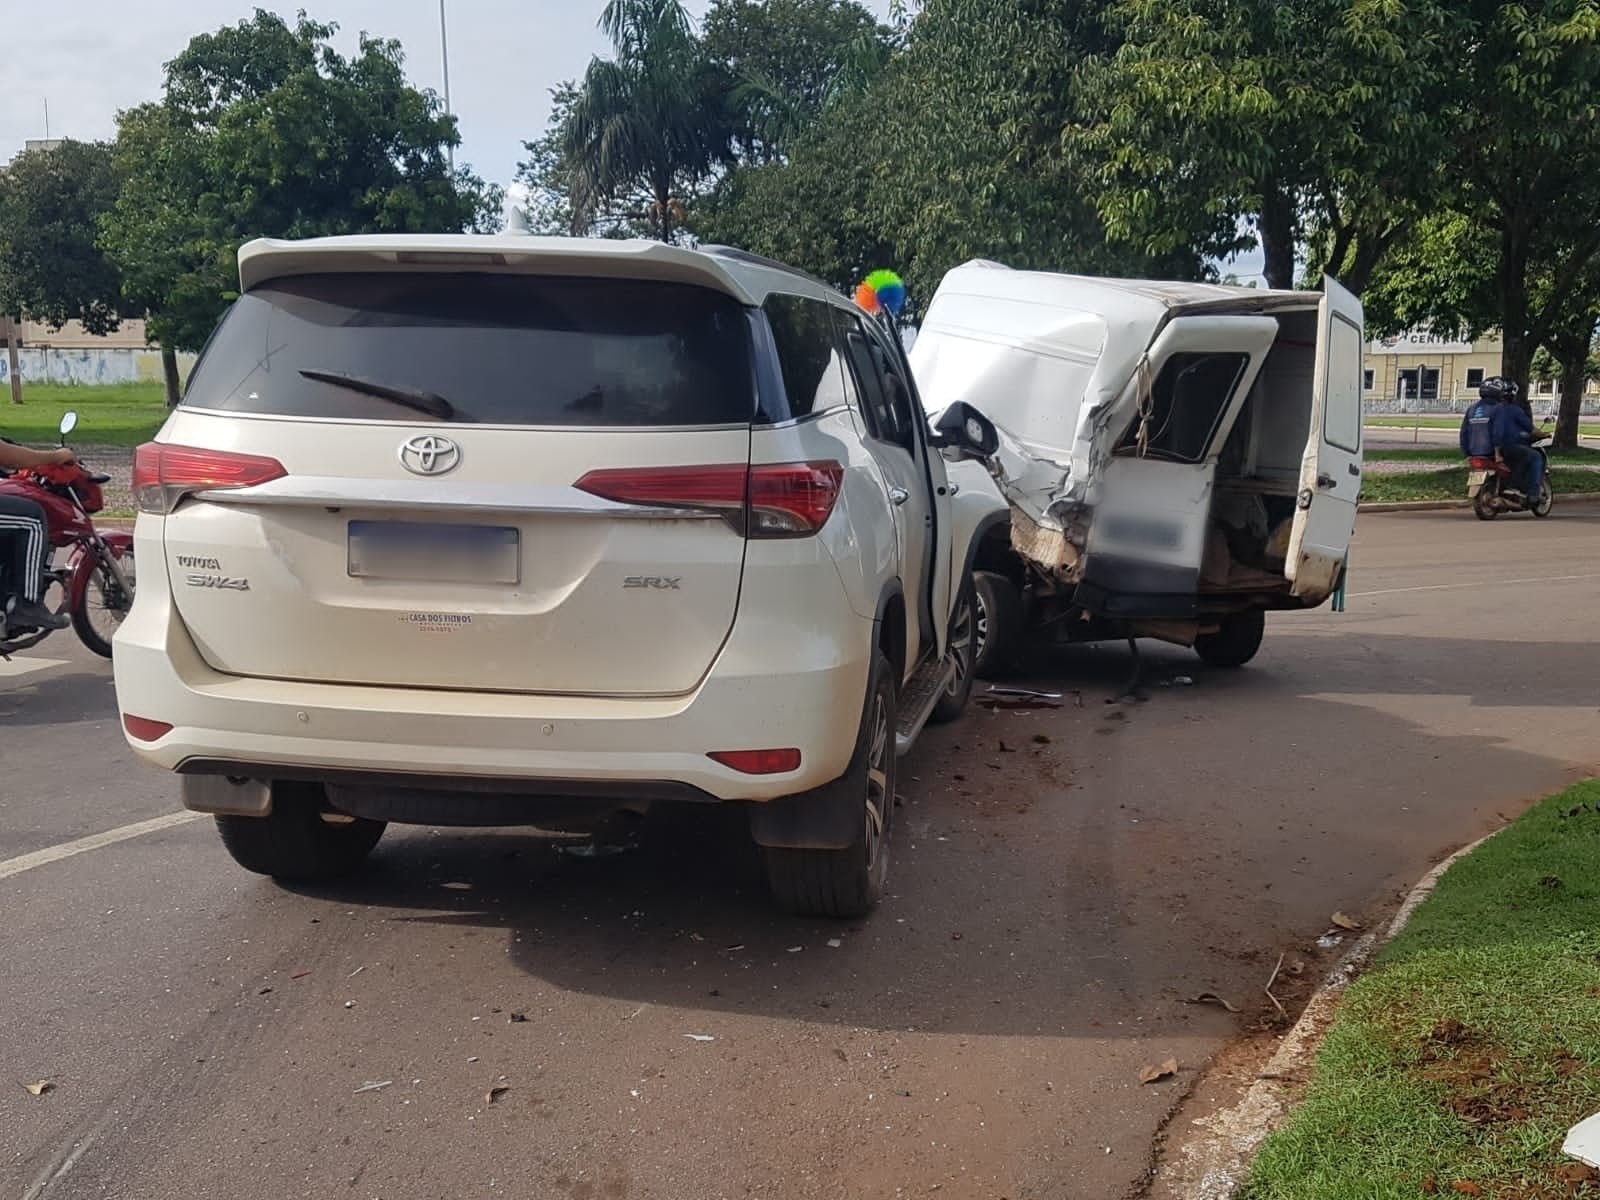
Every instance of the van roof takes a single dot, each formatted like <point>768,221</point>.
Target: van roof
<point>744,276</point>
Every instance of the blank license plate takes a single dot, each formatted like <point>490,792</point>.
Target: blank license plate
<point>1478,478</point>
<point>434,553</point>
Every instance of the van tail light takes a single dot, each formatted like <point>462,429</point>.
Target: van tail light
<point>163,475</point>
<point>780,500</point>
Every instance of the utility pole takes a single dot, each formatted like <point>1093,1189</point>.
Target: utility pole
<point>444,53</point>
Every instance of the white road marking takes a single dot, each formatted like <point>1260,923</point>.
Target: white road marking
<point>10,668</point>
<point>95,841</point>
<point>1476,583</point>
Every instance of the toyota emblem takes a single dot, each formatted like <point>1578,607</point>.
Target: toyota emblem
<point>429,454</point>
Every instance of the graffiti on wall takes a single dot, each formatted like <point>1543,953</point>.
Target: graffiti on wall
<point>87,367</point>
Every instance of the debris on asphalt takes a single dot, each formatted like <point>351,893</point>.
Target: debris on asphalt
<point>1041,739</point>
<point>299,974</point>
<point>1014,703</point>
<point>1344,922</point>
<point>1154,1074</point>
<point>1023,693</point>
<point>834,943</point>
<point>40,1087</point>
<point>356,972</point>
<point>1005,749</point>
<point>732,948</point>
<point>349,1003</point>
<point>1272,979</point>
<point>591,850</point>
<point>518,1018</point>
<point>1328,941</point>
<point>700,1037</point>
<point>457,886</point>
<point>495,1092</point>
<point>1212,998</point>
<point>264,991</point>
<point>1183,680</point>
<point>795,949</point>
<point>956,936</point>
<point>374,1086</point>
<point>840,1055</point>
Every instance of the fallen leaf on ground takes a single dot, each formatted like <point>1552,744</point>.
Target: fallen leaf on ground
<point>1576,1173</point>
<point>1165,1070</point>
<point>1430,1186</point>
<point>1465,1187</point>
<point>1212,998</point>
<point>494,1093</point>
<point>40,1088</point>
<point>1344,922</point>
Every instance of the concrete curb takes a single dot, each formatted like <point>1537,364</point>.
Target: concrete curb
<point>1215,1165</point>
<point>1437,505</point>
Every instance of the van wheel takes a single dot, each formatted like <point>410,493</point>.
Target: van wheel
<point>1236,642</point>
<point>849,882</point>
<point>998,611</point>
<point>299,840</point>
<point>962,646</point>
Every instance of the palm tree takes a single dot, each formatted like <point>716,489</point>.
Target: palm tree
<point>649,122</point>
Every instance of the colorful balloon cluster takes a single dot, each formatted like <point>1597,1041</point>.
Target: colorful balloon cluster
<point>882,291</point>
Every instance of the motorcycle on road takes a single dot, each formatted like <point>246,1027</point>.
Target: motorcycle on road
<point>1489,481</point>
<point>95,582</point>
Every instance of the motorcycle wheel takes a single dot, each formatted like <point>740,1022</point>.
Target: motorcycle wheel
<point>1546,501</point>
<point>105,605</point>
<point>1483,504</point>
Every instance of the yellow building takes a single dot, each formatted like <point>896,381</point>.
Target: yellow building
<point>1419,371</point>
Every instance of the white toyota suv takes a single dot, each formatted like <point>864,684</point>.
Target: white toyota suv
<point>459,530</point>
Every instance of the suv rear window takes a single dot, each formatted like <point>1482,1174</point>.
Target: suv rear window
<point>500,349</point>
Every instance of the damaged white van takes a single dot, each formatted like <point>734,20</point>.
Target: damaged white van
<point>1178,458</point>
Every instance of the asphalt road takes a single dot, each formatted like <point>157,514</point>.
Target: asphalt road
<point>1062,881</point>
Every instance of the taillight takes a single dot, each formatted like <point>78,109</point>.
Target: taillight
<point>143,729</point>
<point>758,762</point>
<point>163,475</point>
<point>764,501</point>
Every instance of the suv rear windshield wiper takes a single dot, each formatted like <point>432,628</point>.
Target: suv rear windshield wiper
<point>431,403</point>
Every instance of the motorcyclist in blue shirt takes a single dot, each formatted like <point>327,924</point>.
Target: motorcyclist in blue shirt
<point>1477,427</point>
<point>1513,432</point>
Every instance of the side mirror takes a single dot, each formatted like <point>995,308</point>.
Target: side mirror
<point>967,431</point>
<point>69,422</point>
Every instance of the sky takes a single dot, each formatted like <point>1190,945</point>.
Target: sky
<point>88,59</point>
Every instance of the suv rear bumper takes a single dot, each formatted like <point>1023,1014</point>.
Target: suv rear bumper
<point>601,746</point>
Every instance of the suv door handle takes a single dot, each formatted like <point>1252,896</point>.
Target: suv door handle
<point>898,495</point>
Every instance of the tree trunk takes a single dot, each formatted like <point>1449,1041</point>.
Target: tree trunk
<point>1277,236</point>
<point>13,360</point>
<point>169,373</point>
<point>1574,376</point>
<point>1516,348</point>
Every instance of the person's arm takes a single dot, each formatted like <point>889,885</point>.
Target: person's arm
<point>1524,425</point>
<point>20,458</point>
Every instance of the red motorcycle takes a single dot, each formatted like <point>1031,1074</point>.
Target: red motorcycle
<point>95,582</point>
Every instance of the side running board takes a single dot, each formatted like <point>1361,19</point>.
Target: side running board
<point>917,700</point>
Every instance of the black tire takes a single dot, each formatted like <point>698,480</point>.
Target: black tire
<point>849,882</point>
<point>299,841</point>
<point>1483,505</point>
<point>999,621</point>
<point>104,597</point>
<point>962,643</point>
<point>1547,499</point>
<point>1236,642</point>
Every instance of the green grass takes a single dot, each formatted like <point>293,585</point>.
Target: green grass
<point>118,414</point>
<point>1473,1045</point>
<point>1447,454</point>
<point>1452,485</point>
<point>1587,428</point>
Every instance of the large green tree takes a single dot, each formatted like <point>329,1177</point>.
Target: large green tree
<point>953,151</point>
<point>1311,122</point>
<point>51,270</point>
<point>648,125</point>
<point>264,129</point>
<point>784,61</point>
<point>1517,247</point>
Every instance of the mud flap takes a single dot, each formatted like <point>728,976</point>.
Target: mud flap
<point>825,818</point>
